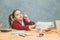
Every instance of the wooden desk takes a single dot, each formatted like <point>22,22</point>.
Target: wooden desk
<point>47,36</point>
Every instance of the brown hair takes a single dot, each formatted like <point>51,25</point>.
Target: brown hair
<point>14,12</point>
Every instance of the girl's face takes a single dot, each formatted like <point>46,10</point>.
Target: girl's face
<point>18,16</point>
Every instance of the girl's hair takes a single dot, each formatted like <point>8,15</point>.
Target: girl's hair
<point>11,16</point>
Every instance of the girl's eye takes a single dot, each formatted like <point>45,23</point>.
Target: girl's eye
<point>17,15</point>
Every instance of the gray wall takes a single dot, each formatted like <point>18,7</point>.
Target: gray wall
<point>37,10</point>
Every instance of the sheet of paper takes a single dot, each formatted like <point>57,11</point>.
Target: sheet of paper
<point>19,32</point>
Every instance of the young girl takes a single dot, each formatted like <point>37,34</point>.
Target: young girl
<point>21,22</point>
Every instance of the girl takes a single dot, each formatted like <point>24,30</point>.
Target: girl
<point>21,22</point>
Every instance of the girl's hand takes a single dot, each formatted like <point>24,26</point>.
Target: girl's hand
<point>26,18</point>
<point>32,27</point>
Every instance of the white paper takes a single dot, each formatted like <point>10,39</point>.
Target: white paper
<point>18,32</point>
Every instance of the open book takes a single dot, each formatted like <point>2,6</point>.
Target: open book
<point>44,25</point>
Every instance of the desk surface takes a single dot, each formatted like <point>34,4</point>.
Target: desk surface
<point>47,36</point>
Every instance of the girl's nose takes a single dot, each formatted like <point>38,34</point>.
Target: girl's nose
<point>21,15</point>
